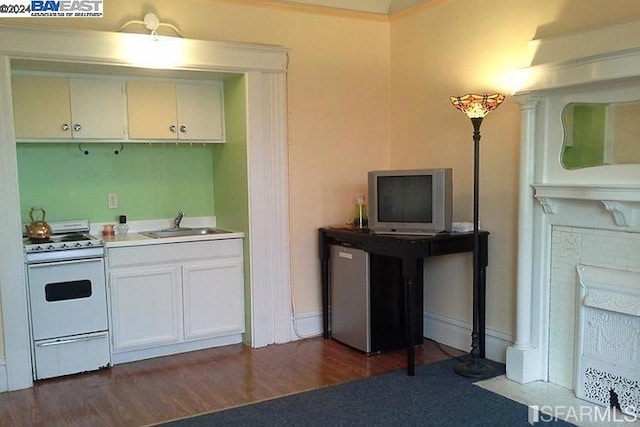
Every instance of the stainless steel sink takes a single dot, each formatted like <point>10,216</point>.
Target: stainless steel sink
<point>183,231</point>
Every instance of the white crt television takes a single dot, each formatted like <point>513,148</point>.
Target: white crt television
<point>410,201</point>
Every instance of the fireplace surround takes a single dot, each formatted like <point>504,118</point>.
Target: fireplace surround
<point>569,218</point>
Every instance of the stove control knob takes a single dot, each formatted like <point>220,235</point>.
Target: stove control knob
<point>51,247</point>
<point>38,248</point>
<point>89,243</point>
<point>64,245</point>
<point>78,244</point>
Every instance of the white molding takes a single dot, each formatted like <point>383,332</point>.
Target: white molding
<point>306,325</point>
<point>622,203</point>
<point>264,68</point>
<point>457,334</point>
<point>12,275</point>
<point>621,193</point>
<point>166,350</point>
<point>618,36</point>
<point>269,199</point>
<point>609,67</point>
<point>4,386</point>
<point>441,328</point>
<point>101,47</point>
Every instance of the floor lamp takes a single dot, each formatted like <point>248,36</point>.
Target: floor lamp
<point>476,107</point>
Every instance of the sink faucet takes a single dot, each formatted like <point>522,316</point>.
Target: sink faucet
<point>178,219</point>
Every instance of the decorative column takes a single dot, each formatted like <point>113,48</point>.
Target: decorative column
<point>524,362</point>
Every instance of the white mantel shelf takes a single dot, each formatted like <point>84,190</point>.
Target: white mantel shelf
<point>621,201</point>
<point>619,193</point>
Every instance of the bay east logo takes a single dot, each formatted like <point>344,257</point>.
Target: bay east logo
<point>67,8</point>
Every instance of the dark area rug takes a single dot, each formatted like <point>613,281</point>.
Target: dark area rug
<point>435,396</point>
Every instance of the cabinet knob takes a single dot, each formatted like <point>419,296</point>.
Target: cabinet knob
<point>77,127</point>
<point>65,127</point>
<point>183,129</point>
<point>172,128</point>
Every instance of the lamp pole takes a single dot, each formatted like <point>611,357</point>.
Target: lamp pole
<point>476,107</point>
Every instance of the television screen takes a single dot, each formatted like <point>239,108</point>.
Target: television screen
<point>405,198</point>
<point>410,201</point>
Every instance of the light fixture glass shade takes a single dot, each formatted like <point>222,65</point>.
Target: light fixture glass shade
<point>477,106</point>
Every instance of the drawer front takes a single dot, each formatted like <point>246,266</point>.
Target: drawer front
<point>71,355</point>
<point>174,252</point>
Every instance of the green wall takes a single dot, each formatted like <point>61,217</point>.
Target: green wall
<point>230,162</point>
<point>588,127</point>
<point>231,179</point>
<point>151,180</point>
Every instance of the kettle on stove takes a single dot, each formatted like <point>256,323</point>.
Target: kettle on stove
<point>38,229</point>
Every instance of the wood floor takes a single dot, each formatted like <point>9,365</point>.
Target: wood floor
<point>166,388</point>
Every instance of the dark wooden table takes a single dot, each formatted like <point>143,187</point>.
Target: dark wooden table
<point>411,250</point>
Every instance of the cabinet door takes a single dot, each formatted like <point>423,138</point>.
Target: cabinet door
<point>41,106</point>
<point>200,112</point>
<point>145,306</point>
<point>151,110</point>
<point>97,108</point>
<point>213,298</point>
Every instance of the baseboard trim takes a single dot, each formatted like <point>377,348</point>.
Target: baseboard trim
<point>306,325</point>
<point>4,381</point>
<point>441,328</point>
<point>457,334</point>
<point>125,356</point>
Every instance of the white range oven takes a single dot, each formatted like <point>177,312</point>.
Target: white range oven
<point>67,301</point>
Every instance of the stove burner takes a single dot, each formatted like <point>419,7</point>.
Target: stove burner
<point>39,240</point>
<point>74,237</point>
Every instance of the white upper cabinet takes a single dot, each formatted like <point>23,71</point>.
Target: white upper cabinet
<point>41,107</point>
<point>98,108</point>
<point>200,112</point>
<point>68,108</point>
<point>151,109</point>
<point>183,111</point>
<point>59,108</point>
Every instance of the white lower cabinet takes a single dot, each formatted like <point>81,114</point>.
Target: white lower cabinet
<point>212,300</point>
<point>145,306</point>
<point>172,298</point>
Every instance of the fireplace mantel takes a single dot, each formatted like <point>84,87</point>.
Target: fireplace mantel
<point>621,201</point>
<point>598,65</point>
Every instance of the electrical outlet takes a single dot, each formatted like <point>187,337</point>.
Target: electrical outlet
<point>112,200</point>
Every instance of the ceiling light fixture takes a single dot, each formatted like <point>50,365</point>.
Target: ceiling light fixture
<point>151,22</point>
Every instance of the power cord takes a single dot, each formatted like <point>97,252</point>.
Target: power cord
<point>444,351</point>
<point>293,313</point>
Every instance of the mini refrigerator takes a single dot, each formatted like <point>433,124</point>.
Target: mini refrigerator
<point>366,300</point>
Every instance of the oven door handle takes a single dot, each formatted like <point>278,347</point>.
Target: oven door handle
<point>54,263</point>
<point>72,340</point>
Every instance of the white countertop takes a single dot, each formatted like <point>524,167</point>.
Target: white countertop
<point>136,239</point>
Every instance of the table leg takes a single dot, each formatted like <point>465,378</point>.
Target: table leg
<point>324,267</point>
<point>410,316</point>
